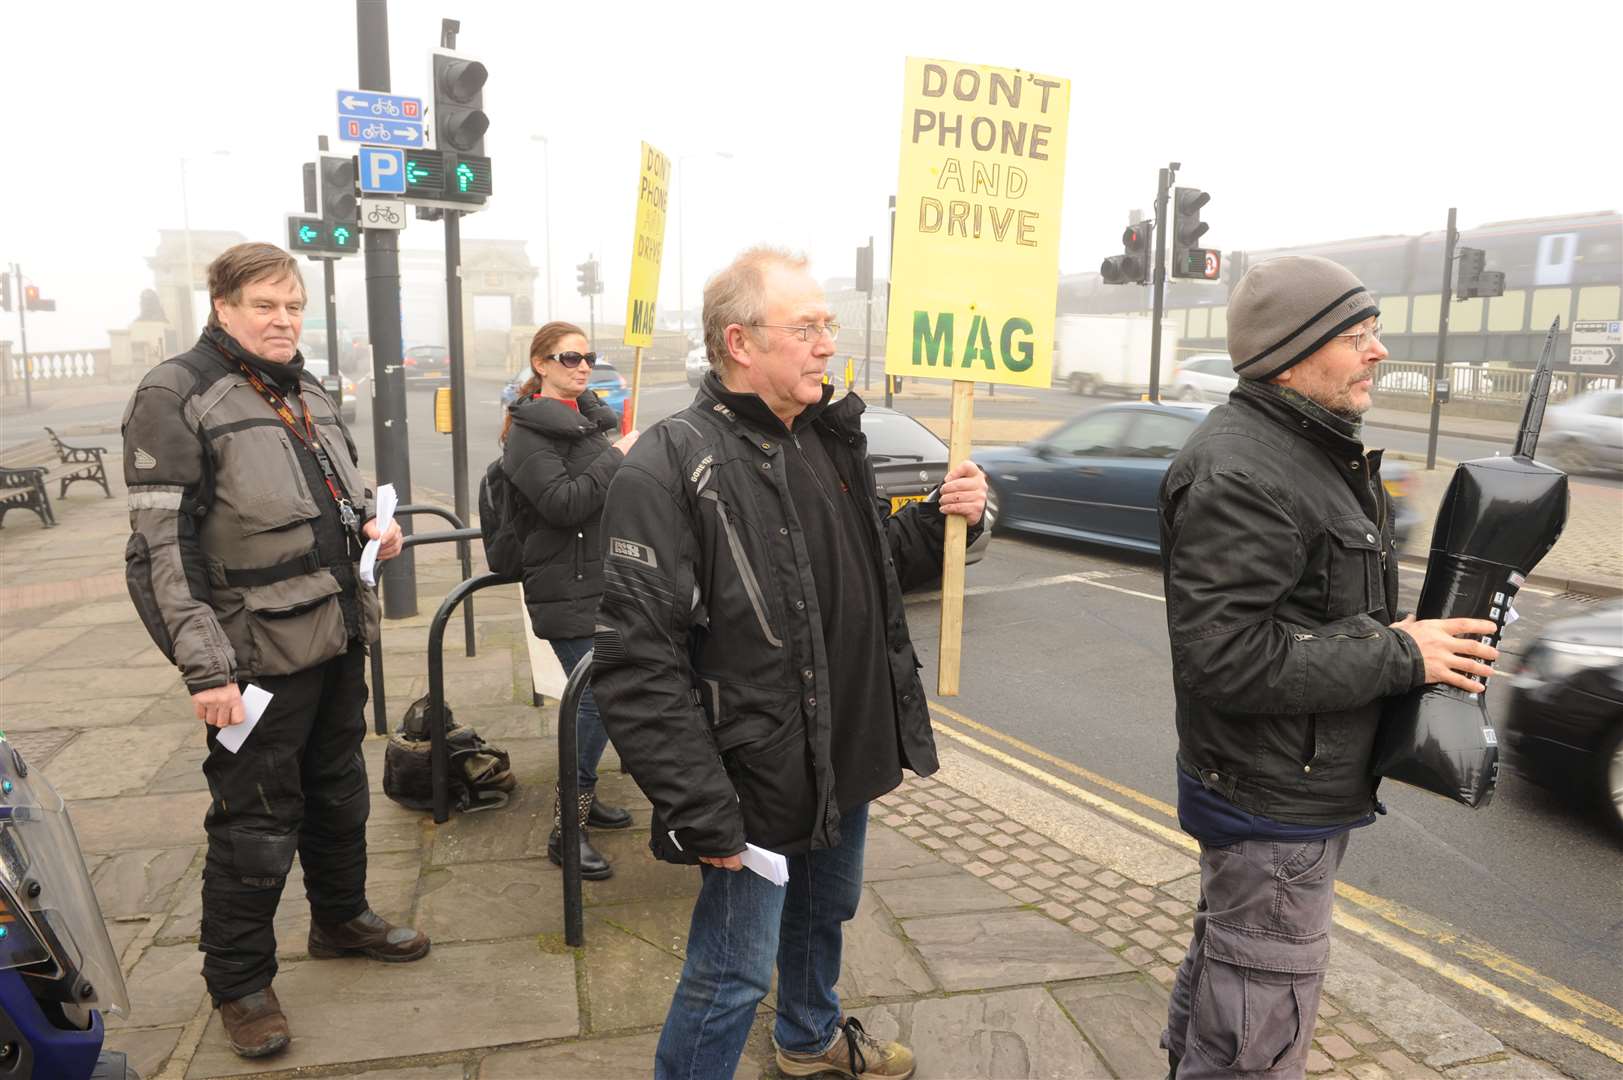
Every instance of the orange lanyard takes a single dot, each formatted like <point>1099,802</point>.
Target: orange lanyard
<point>311,441</point>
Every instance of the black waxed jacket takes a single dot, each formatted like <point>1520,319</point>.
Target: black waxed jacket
<point>710,667</point>
<point>1281,583</point>
<point>561,461</point>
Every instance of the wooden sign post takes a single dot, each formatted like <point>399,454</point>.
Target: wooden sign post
<point>975,257</point>
<point>648,248</point>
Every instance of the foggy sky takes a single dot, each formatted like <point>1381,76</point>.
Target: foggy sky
<point>1306,122</point>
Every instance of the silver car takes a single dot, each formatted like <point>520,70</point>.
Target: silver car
<point>1206,377</point>
<point>1586,433</point>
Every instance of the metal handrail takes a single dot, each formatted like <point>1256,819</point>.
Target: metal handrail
<point>569,800</point>
<point>438,762</point>
<point>462,535</point>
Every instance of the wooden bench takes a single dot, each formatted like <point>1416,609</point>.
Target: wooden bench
<point>27,470</point>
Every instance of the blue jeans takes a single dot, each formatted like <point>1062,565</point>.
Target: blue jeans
<point>590,738</point>
<point>742,924</point>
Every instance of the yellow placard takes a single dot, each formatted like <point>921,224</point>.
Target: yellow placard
<point>975,271</point>
<point>647,245</point>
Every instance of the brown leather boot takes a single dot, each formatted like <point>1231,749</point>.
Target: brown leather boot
<point>254,1025</point>
<point>368,934</point>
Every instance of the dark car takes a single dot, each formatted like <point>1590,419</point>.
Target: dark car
<point>910,461</point>
<point>1564,730</point>
<point>1098,477</point>
<point>429,364</point>
<point>606,382</point>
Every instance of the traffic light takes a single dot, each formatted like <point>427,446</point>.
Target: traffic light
<point>33,302</point>
<point>5,290</point>
<point>319,237</point>
<point>459,103</point>
<point>1474,280</point>
<point>1189,261</point>
<point>1132,266</point>
<point>588,283</point>
<point>338,202</point>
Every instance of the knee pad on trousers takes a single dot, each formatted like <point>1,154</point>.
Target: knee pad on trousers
<point>263,859</point>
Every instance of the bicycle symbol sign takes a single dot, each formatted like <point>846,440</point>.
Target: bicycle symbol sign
<point>382,214</point>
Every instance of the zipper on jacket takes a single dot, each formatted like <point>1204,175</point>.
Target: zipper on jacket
<point>752,587</point>
<point>580,555</point>
<point>1336,637</point>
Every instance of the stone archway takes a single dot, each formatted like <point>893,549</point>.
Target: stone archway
<point>498,303</point>
<point>174,292</point>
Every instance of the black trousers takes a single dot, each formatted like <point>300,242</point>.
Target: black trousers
<point>297,784</point>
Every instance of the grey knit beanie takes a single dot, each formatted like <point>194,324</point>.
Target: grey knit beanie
<point>1284,309</point>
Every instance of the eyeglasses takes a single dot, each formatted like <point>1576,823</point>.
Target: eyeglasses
<point>829,329</point>
<point>1361,339</point>
<point>573,359</point>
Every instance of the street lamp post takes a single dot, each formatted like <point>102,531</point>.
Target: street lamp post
<point>546,179</point>
<point>190,291</point>
<point>681,242</point>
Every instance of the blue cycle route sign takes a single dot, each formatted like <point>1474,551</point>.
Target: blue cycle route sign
<point>366,116</point>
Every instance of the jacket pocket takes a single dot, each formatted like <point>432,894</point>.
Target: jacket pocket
<point>772,772</point>
<point>258,471</point>
<point>746,572</point>
<point>294,624</point>
<point>1353,584</point>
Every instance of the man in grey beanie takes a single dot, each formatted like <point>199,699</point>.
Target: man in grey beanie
<point>1281,587</point>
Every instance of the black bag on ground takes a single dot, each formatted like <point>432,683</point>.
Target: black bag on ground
<point>478,776</point>
<point>503,514</point>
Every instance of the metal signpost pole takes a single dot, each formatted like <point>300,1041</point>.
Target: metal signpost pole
<point>1442,342</point>
<point>389,435</point>
<point>458,361</point>
<point>22,332</point>
<point>1160,278</point>
<point>330,292</point>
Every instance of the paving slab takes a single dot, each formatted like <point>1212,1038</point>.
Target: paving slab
<point>113,645</point>
<point>100,614</point>
<point>141,881</point>
<point>108,762</point>
<point>627,1057</point>
<point>140,821</point>
<point>166,987</point>
<point>662,922</point>
<point>148,1048</point>
<point>944,895</point>
<point>890,855</point>
<point>39,747</point>
<point>495,835</point>
<point>102,712</point>
<point>86,685</point>
<point>183,771</point>
<point>1122,1018</point>
<point>1422,1024</point>
<point>1006,948</point>
<point>877,962</point>
<point>356,1010</point>
<point>38,643</point>
<point>454,1071</point>
<point>1513,1067</point>
<point>629,982</point>
<point>637,873</point>
<point>488,901</point>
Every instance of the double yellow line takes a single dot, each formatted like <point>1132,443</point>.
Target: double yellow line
<point>1397,915</point>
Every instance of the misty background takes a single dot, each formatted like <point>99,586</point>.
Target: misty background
<point>1306,123</point>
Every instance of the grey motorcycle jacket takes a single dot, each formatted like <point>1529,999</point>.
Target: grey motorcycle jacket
<point>222,562</point>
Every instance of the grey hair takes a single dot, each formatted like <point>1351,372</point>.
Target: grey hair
<point>737,294</point>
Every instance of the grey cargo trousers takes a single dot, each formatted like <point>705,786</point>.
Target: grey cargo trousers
<point>1247,993</point>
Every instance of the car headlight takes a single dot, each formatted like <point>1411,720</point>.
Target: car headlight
<point>1555,661</point>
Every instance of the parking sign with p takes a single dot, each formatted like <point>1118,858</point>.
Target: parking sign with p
<point>383,170</point>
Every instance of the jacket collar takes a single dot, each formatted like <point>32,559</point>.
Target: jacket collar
<point>844,417</point>
<point>553,419</point>
<point>227,348</point>
<point>1290,409</point>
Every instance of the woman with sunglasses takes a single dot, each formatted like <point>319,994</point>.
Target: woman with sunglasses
<point>557,450</point>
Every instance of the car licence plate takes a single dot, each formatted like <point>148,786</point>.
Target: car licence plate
<point>899,501</point>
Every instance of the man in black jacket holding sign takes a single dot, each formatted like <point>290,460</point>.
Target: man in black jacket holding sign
<point>1281,587</point>
<point>754,669</point>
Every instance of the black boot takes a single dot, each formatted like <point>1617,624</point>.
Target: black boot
<point>603,816</point>
<point>593,866</point>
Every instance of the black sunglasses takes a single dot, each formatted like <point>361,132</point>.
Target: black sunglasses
<point>573,359</point>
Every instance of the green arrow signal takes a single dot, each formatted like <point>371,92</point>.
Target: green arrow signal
<point>464,175</point>
<point>341,235</point>
<point>308,234</point>
<point>415,173</point>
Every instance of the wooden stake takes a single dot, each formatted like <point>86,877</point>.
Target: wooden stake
<point>952,561</point>
<point>630,419</point>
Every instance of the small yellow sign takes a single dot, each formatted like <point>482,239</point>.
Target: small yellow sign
<point>648,245</point>
<point>442,410</point>
<point>975,271</point>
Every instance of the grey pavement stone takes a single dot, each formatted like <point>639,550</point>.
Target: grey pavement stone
<point>629,982</point>
<point>1513,1067</point>
<point>183,771</point>
<point>889,855</point>
<point>626,1057</point>
<point>356,1010</point>
<point>912,897</point>
<point>1122,1018</point>
<point>141,881</point>
<point>115,645</point>
<point>148,1048</point>
<point>36,644</point>
<point>487,901</point>
<point>98,614</point>
<point>1006,948</point>
<point>123,930</point>
<point>661,922</point>
<point>1005,1034</point>
<point>107,762</point>
<point>1092,835</point>
<point>1425,1026</point>
<point>166,986</point>
<point>877,962</point>
<point>1186,889</point>
<point>496,834</point>
<point>87,684</point>
<point>39,747</point>
<point>637,874</point>
<point>454,1071</point>
<point>140,821</point>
